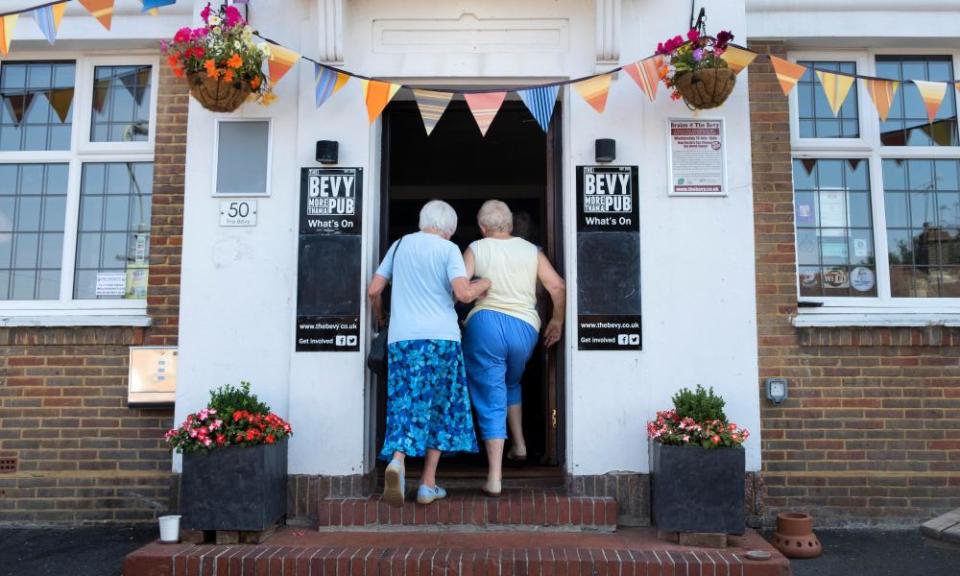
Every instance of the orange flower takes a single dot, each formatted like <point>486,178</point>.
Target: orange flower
<point>172,60</point>
<point>255,83</point>
<point>211,67</point>
<point>178,72</point>
<point>235,61</point>
<point>663,71</point>
<point>228,76</point>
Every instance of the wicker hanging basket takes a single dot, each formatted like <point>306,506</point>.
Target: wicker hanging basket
<point>705,88</point>
<point>216,95</point>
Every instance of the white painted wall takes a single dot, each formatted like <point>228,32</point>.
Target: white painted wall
<point>239,285</point>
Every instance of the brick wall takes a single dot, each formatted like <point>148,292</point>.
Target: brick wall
<point>83,455</point>
<point>871,431</point>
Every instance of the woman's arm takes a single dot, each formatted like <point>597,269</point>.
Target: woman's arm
<point>466,291</point>
<point>375,294</point>
<point>558,294</point>
<point>469,262</point>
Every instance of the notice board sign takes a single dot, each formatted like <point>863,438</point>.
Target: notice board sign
<point>608,258</point>
<point>697,157</point>
<point>328,271</point>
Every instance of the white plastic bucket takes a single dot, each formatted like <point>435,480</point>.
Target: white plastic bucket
<point>170,528</point>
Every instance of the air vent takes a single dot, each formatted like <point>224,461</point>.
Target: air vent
<point>8,465</point>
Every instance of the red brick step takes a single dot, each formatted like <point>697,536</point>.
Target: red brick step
<point>629,552</point>
<point>546,509</point>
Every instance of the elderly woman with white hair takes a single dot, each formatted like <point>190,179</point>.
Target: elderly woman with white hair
<point>502,330</point>
<point>428,406</point>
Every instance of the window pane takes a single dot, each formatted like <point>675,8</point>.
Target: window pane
<point>242,157</point>
<point>114,237</point>
<point>907,123</point>
<point>834,227</point>
<point>923,227</point>
<point>816,118</point>
<point>36,100</point>
<point>32,212</point>
<point>121,104</point>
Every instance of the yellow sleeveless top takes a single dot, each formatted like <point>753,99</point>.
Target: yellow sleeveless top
<point>511,266</point>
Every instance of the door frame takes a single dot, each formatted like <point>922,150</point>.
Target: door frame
<point>554,359</point>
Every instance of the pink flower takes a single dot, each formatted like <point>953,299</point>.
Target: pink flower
<point>205,13</point>
<point>233,16</point>
<point>182,35</point>
<point>693,35</point>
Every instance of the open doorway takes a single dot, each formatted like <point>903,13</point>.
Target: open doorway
<point>516,162</point>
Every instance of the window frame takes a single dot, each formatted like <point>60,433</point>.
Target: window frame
<point>87,312</point>
<point>868,147</point>
<point>216,157</point>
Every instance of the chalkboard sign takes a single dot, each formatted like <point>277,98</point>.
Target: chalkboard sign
<point>328,272</point>
<point>608,258</point>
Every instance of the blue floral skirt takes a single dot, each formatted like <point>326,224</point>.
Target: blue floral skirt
<point>428,405</point>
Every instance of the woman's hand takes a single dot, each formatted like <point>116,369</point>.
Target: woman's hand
<point>553,333</point>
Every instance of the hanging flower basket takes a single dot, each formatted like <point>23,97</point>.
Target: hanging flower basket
<point>694,70</point>
<point>221,63</point>
<point>705,88</point>
<point>217,95</point>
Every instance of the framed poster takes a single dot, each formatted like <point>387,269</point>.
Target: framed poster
<point>608,258</point>
<point>329,291</point>
<point>697,157</point>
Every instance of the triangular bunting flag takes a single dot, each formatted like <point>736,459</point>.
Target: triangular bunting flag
<point>484,107</point>
<point>882,93</point>
<point>48,19</point>
<point>595,90</point>
<point>788,73</point>
<point>329,81</point>
<point>281,61</point>
<point>7,24</point>
<point>377,95</point>
<point>932,94</point>
<point>738,58</point>
<point>100,90</point>
<point>646,73</point>
<point>136,83</point>
<point>540,101</point>
<point>18,105</point>
<point>432,105</point>
<point>149,5</point>
<point>102,10</point>
<point>835,88</point>
<point>60,100</point>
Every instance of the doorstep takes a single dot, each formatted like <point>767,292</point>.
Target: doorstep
<point>944,529</point>
<point>293,552</point>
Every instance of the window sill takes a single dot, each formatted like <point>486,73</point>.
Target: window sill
<point>875,319</point>
<point>75,321</point>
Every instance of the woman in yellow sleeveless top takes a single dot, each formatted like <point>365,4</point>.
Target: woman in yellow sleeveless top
<point>502,329</point>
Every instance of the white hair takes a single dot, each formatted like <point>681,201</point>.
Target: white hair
<point>438,215</point>
<point>495,216</point>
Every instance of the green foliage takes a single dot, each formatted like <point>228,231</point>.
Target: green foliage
<point>228,399</point>
<point>700,405</point>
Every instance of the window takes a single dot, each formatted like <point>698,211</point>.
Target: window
<point>877,203</point>
<point>816,117</point>
<point>76,179</point>
<point>243,157</point>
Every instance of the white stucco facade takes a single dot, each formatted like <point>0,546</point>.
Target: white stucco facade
<point>238,299</point>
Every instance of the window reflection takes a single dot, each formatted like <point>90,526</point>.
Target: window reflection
<point>907,124</point>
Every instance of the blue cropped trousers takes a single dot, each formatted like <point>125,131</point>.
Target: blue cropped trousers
<point>496,348</point>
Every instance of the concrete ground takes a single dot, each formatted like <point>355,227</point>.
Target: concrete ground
<point>100,551</point>
<point>877,553</point>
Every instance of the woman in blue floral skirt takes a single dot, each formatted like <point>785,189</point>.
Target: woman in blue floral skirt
<point>428,406</point>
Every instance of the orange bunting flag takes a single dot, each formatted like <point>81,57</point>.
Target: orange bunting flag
<point>7,24</point>
<point>882,93</point>
<point>932,94</point>
<point>281,61</point>
<point>432,105</point>
<point>377,95</point>
<point>788,73</point>
<point>102,10</point>
<point>738,58</point>
<point>595,90</point>
<point>835,88</point>
<point>484,107</point>
<point>646,73</point>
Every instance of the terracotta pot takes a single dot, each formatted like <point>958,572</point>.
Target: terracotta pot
<point>794,536</point>
<point>706,88</point>
<point>216,95</point>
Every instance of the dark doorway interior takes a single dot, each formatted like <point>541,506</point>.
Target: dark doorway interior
<point>513,163</point>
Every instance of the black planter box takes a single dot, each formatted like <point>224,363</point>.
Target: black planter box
<point>697,490</point>
<point>234,488</point>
